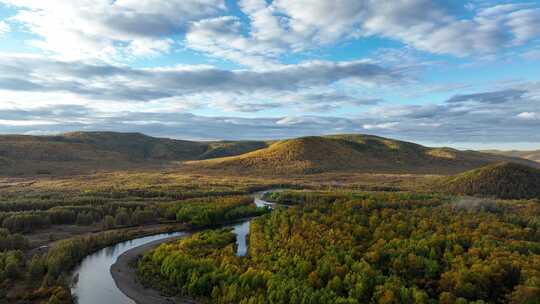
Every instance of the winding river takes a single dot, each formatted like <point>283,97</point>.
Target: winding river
<point>94,283</point>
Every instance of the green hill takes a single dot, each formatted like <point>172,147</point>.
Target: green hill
<point>502,180</point>
<point>350,153</point>
<point>84,152</point>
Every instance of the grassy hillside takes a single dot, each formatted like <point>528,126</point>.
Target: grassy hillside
<point>88,152</point>
<point>502,180</point>
<point>530,155</point>
<point>231,148</point>
<point>350,153</point>
<point>137,146</point>
<point>84,152</point>
<point>140,146</point>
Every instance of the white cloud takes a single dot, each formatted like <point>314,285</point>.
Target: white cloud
<point>524,24</point>
<point>323,21</point>
<point>505,114</point>
<point>106,29</point>
<point>84,93</point>
<point>149,47</point>
<point>222,37</point>
<point>282,26</point>
<point>275,29</point>
<point>168,124</point>
<point>507,121</point>
<point>307,100</point>
<point>4,28</point>
<point>331,122</point>
<point>313,86</point>
<point>533,54</point>
<point>24,123</point>
<point>383,126</point>
<point>103,29</point>
<point>430,26</point>
<point>529,116</point>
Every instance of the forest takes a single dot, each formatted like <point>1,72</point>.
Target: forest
<point>347,247</point>
<point>28,275</point>
<point>338,243</point>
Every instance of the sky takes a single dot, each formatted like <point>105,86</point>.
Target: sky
<point>463,74</point>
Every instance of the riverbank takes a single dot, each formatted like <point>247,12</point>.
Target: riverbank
<point>43,240</point>
<point>125,277</point>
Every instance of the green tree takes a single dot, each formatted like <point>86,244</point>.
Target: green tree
<point>122,217</point>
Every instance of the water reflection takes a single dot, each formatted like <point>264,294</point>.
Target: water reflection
<point>95,283</point>
<point>260,203</point>
<point>241,230</point>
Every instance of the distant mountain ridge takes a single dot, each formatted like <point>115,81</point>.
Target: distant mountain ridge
<point>86,152</point>
<point>94,151</point>
<point>351,153</point>
<point>530,155</point>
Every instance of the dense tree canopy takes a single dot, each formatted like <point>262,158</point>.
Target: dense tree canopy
<point>363,248</point>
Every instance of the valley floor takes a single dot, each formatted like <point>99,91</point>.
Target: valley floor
<point>74,216</point>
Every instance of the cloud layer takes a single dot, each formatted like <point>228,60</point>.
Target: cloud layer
<point>503,116</point>
<point>273,69</point>
<point>263,31</point>
<point>469,120</point>
<point>109,29</point>
<point>243,90</point>
<point>440,27</point>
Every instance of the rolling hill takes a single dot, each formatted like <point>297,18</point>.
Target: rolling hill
<point>83,152</point>
<point>87,152</point>
<point>530,155</point>
<point>350,153</point>
<point>501,180</point>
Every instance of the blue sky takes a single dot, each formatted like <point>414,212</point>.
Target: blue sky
<point>454,73</point>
